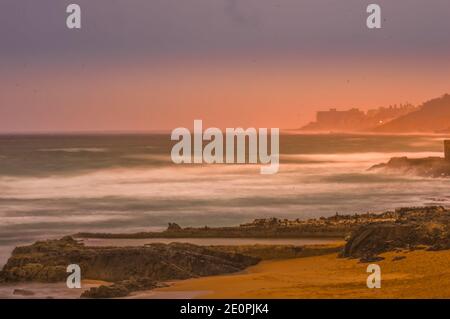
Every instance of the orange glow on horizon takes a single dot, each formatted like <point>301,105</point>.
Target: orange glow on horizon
<point>162,97</point>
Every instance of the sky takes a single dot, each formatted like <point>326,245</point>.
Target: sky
<point>143,65</point>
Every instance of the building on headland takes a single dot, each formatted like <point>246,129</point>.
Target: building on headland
<point>340,119</point>
<point>355,120</point>
<point>447,149</point>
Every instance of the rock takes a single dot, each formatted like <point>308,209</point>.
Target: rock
<point>397,258</point>
<point>114,291</point>
<point>173,227</point>
<point>370,259</point>
<point>120,289</point>
<point>373,239</point>
<point>440,245</point>
<point>34,272</point>
<point>436,167</point>
<point>411,229</point>
<point>23,292</point>
<point>46,261</point>
<point>337,226</point>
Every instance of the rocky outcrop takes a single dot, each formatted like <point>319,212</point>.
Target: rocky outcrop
<point>46,261</point>
<point>268,252</point>
<point>412,227</point>
<point>425,167</point>
<point>336,226</point>
<point>173,227</point>
<point>23,292</point>
<point>120,289</point>
<point>373,239</point>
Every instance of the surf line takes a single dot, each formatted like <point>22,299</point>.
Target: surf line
<point>236,150</point>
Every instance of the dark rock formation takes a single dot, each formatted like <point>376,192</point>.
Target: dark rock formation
<point>23,292</point>
<point>46,261</point>
<point>370,259</point>
<point>267,252</point>
<point>412,227</point>
<point>173,227</point>
<point>397,258</point>
<point>426,167</point>
<point>120,289</point>
<point>373,239</point>
<point>337,226</point>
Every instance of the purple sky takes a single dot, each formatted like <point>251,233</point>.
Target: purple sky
<point>35,30</point>
<point>48,71</point>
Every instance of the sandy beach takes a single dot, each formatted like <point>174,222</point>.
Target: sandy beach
<point>422,274</point>
<point>405,274</point>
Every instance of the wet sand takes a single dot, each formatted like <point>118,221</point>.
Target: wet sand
<point>422,274</point>
<point>45,290</point>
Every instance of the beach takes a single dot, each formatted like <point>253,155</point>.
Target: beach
<point>316,271</point>
<point>422,274</point>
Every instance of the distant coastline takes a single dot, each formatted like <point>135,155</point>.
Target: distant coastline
<point>429,117</point>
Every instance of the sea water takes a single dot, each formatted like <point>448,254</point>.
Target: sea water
<point>54,185</point>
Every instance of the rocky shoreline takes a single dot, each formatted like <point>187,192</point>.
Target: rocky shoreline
<point>412,228</point>
<point>434,167</point>
<point>337,226</point>
<point>130,269</point>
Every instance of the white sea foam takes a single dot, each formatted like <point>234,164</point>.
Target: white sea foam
<point>368,157</point>
<point>75,149</point>
<point>78,219</point>
<point>207,182</point>
<point>135,198</point>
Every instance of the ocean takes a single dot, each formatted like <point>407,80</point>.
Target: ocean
<point>54,185</point>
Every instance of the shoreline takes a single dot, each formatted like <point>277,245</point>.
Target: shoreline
<point>264,252</point>
<point>421,274</point>
<point>410,244</point>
